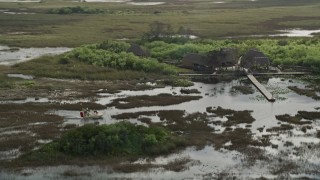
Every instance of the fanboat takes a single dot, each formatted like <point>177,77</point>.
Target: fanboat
<point>89,115</point>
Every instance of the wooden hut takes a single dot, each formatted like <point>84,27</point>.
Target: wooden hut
<point>197,62</point>
<point>137,50</point>
<point>255,59</point>
<point>225,57</point>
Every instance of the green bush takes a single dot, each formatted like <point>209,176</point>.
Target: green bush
<point>114,55</point>
<point>302,52</point>
<point>117,139</point>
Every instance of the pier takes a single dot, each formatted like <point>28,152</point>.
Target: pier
<point>261,88</point>
<point>253,80</point>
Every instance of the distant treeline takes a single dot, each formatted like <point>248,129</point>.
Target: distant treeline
<point>76,10</point>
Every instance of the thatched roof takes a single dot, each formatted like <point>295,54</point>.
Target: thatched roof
<point>199,59</point>
<point>254,57</point>
<point>137,50</point>
<point>224,57</point>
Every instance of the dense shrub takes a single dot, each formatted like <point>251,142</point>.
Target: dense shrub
<point>114,55</point>
<point>117,139</point>
<point>301,52</point>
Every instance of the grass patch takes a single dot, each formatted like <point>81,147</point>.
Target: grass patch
<point>52,67</point>
<point>243,89</point>
<point>127,21</point>
<point>234,117</point>
<point>309,115</point>
<point>292,119</point>
<point>145,100</point>
<point>194,127</point>
<point>305,92</point>
<point>283,127</point>
<point>298,118</point>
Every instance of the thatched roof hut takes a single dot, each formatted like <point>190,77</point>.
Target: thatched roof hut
<point>138,51</point>
<point>197,62</point>
<point>225,57</point>
<point>254,58</point>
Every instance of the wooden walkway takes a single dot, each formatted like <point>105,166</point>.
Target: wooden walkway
<point>254,81</point>
<point>261,88</point>
<point>235,74</point>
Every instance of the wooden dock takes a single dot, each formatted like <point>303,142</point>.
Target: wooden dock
<point>257,74</point>
<point>251,77</point>
<point>261,88</point>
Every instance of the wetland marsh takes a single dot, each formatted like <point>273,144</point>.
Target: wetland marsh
<point>212,126</point>
<point>58,58</point>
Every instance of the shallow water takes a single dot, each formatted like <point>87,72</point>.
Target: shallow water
<point>11,56</point>
<point>297,33</point>
<point>20,1</point>
<point>146,3</point>
<point>22,76</point>
<point>209,162</point>
<point>219,95</point>
<point>285,33</point>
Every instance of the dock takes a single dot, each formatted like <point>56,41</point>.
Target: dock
<point>253,73</point>
<point>261,88</point>
<point>253,80</point>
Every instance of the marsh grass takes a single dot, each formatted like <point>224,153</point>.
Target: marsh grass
<point>234,117</point>
<point>310,92</point>
<point>207,20</point>
<point>282,127</point>
<point>194,127</point>
<point>314,115</point>
<point>146,100</point>
<point>292,119</point>
<point>243,89</point>
<point>51,67</point>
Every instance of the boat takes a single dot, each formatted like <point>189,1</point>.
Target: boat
<point>90,115</point>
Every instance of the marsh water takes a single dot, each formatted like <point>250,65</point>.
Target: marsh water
<point>12,55</point>
<point>209,162</point>
<point>295,32</point>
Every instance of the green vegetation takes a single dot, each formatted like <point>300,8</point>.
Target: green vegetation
<point>234,117</point>
<point>147,101</point>
<point>65,68</point>
<point>204,19</point>
<point>120,139</point>
<point>114,55</point>
<point>309,92</point>
<point>303,117</point>
<point>300,52</point>
<point>242,89</point>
